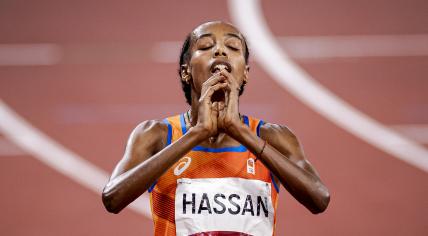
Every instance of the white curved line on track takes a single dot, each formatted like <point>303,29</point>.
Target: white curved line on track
<point>247,15</point>
<point>56,156</point>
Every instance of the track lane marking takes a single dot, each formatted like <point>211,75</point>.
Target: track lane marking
<point>247,15</point>
<point>320,48</point>
<point>354,46</point>
<point>303,48</point>
<point>43,54</point>
<point>59,158</point>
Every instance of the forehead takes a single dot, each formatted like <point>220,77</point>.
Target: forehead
<point>217,29</point>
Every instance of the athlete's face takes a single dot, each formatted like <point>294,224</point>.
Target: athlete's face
<point>216,43</point>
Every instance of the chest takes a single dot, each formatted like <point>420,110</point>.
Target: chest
<point>196,165</point>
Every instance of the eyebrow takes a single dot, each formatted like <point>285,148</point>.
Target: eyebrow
<point>205,35</point>
<point>228,34</point>
<point>234,35</point>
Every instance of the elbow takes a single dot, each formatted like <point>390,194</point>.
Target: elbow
<point>110,202</point>
<point>322,200</point>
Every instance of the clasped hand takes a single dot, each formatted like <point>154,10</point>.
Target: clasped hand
<point>219,115</point>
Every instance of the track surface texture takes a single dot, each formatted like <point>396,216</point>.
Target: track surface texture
<point>85,73</point>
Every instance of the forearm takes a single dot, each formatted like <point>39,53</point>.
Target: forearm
<point>125,188</point>
<point>306,187</point>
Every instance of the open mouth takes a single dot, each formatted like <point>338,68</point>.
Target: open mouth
<point>217,66</point>
<point>220,65</point>
<point>218,96</point>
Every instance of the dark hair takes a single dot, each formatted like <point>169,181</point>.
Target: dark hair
<point>184,59</point>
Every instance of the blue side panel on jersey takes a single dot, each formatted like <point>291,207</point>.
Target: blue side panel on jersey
<point>152,187</point>
<point>183,124</point>
<point>274,183</point>
<point>169,137</point>
<point>261,122</point>
<point>224,149</point>
<point>246,120</point>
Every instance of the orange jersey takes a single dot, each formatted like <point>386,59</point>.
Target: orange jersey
<point>214,191</point>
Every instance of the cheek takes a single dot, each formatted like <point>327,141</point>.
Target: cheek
<point>239,73</point>
<point>198,76</point>
<point>197,85</point>
<point>199,71</point>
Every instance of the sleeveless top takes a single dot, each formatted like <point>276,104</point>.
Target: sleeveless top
<point>214,191</point>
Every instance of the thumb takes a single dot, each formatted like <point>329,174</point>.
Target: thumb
<point>214,109</point>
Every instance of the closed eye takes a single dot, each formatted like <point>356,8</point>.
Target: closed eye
<point>233,48</point>
<point>203,48</point>
<point>234,44</point>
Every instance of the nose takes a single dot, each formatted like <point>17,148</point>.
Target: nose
<point>220,51</point>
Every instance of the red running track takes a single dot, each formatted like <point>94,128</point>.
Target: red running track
<point>107,81</point>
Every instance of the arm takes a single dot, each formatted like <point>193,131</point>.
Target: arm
<point>146,158</point>
<point>144,161</point>
<point>284,156</point>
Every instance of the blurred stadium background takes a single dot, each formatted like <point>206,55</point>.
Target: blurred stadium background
<point>77,76</point>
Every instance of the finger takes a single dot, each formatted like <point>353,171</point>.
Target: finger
<point>213,80</point>
<point>210,91</point>
<point>214,106</point>
<point>231,100</point>
<point>221,105</point>
<point>234,85</point>
<point>221,116</point>
<point>223,72</point>
<point>214,109</point>
<point>226,97</point>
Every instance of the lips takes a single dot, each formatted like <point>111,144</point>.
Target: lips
<point>219,65</point>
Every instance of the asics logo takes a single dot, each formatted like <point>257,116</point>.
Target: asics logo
<point>182,166</point>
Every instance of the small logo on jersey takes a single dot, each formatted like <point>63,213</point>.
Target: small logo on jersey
<point>182,166</point>
<point>251,166</point>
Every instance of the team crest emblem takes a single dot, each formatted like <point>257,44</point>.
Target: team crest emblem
<point>251,166</point>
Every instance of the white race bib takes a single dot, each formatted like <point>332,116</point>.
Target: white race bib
<point>223,204</point>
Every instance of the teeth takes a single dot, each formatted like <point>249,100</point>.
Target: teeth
<point>219,67</point>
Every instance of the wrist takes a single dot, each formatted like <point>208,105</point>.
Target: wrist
<point>199,133</point>
<point>249,139</point>
<point>236,129</point>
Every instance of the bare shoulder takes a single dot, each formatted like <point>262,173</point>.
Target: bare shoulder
<point>150,133</point>
<point>272,129</point>
<point>285,141</point>
<point>147,138</point>
<point>279,135</point>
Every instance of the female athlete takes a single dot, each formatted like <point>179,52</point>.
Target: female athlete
<point>211,170</point>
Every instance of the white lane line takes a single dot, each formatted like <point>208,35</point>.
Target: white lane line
<point>56,156</point>
<point>310,48</point>
<point>326,47</point>
<point>132,113</point>
<point>29,54</point>
<point>417,132</point>
<point>166,51</point>
<point>248,17</point>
